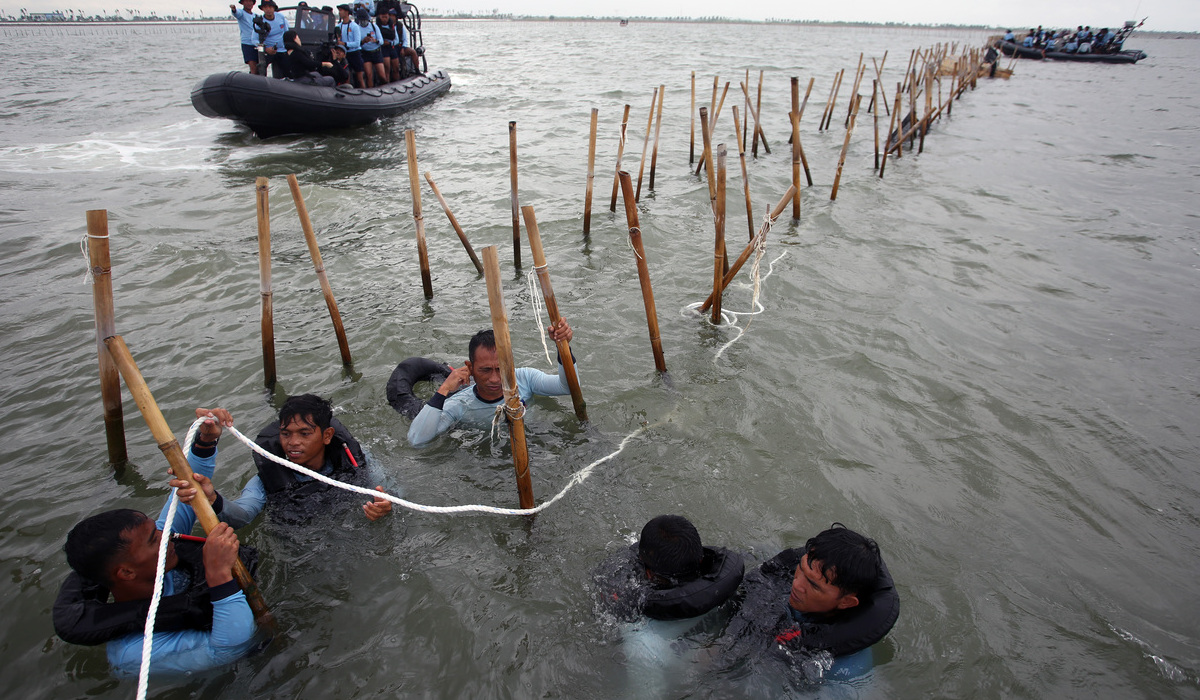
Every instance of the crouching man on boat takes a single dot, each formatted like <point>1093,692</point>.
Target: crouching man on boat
<point>203,619</point>
<point>307,434</point>
<point>481,374</point>
<point>302,67</point>
<point>832,596</point>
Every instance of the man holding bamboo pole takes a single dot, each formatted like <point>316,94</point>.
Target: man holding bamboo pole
<point>481,378</point>
<point>204,619</point>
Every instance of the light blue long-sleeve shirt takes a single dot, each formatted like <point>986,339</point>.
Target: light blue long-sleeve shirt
<point>351,35</point>
<point>246,26</point>
<point>440,413</point>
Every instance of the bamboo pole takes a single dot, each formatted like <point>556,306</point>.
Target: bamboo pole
<point>179,464</point>
<point>875,118</point>
<point>746,118</point>
<point>741,146</point>
<point>928,108</point>
<point>635,239</point>
<point>706,159</point>
<point>267,323</point>
<point>646,144</point>
<point>692,139</point>
<point>591,176</point>
<point>454,222</point>
<point>513,409</point>
<point>543,274</point>
<point>803,158</point>
<point>410,142</point>
<point>754,113</point>
<point>795,119</point>
<point>102,301</point>
<point>879,77</point>
<point>858,76</point>
<point>516,214</point>
<point>719,245</point>
<point>887,143</point>
<point>712,121</point>
<point>662,92</point>
<point>912,109</point>
<point>758,109</point>
<point>612,206</point>
<point>745,255</point>
<point>837,89</point>
<point>310,237</point>
<point>837,178</point>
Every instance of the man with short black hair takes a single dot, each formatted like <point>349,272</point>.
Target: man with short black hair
<point>670,548</point>
<point>349,35</point>
<point>446,408</point>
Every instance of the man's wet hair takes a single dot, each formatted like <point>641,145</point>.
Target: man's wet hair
<point>482,339</point>
<point>848,560</point>
<point>96,542</point>
<point>308,408</point>
<point>670,546</point>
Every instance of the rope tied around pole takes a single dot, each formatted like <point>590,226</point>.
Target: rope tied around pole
<point>629,240</point>
<point>539,305</point>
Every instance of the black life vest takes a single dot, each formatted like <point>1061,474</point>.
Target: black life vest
<point>83,615</point>
<point>625,591</point>
<point>841,632</point>
<point>277,478</point>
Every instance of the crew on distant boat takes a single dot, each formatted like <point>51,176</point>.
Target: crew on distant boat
<point>245,19</point>
<point>271,28</point>
<point>340,70</point>
<point>350,36</point>
<point>1029,40</point>
<point>376,69</point>
<point>303,68</point>
<point>1009,36</point>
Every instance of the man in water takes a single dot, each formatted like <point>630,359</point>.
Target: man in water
<point>306,434</point>
<point>245,18</point>
<point>204,620</point>
<point>479,405</point>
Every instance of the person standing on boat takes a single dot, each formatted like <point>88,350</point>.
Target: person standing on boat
<point>479,402</point>
<point>404,47</point>
<point>245,18</point>
<point>386,24</point>
<point>273,41</point>
<point>350,36</point>
<point>376,69</point>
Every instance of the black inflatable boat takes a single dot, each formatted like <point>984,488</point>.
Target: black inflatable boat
<point>1132,56</point>
<point>272,107</point>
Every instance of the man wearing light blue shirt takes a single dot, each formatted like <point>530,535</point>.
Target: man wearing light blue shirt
<point>272,42</point>
<point>245,19</point>
<point>349,34</point>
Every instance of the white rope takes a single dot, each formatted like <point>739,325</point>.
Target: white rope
<point>539,305</point>
<point>730,318</point>
<point>159,575</point>
<point>88,278</point>
<point>576,478</point>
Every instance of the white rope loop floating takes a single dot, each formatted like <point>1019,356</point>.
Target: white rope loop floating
<point>539,305</point>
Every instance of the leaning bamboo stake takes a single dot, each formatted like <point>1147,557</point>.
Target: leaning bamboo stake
<point>754,113</point>
<point>928,109</point>
<point>646,144</point>
<point>310,237</point>
<point>887,142</point>
<point>794,115</point>
<point>179,464</point>
<point>746,118</point>
<point>837,178</point>
<point>454,222</point>
<point>837,88</point>
<point>719,246</point>
<point>662,91</point>
<point>410,142</point>
<point>267,324</point>
<point>879,76</point>
<point>741,260</point>
<point>514,410</point>
<point>102,301</point>
<point>516,215</point>
<point>706,159</point>
<point>758,108</point>
<point>875,118</point>
<point>591,176</point>
<point>741,146</point>
<point>543,275</point>
<point>692,139</point>
<point>612,206</point>
<point>635,239</point>
<point>858,76</point>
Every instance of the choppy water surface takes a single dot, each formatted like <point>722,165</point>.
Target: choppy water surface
<point>987,360</point>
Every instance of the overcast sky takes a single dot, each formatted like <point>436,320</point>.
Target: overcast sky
<point>1164,15</point>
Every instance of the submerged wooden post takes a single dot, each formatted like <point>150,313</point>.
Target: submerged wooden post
<point>591,176</point>
<point>102,301</point>
<point>858,76</point>
<point>794,115</point>
<point>267,323</point>
<point>612,206</point>
<point>719,246</point>
<point>741,260</point>
<point>746,117</point>
<point>662,91</point>
<point>543,275</point>
<point>516,216</point>
<point>879,76</point>
<point>887,142</point>
<point>712,120</point>
<point>646,144</point>
<point>875,117</point>
<point>635,239</point>
<point>837,178</point>
<point>462,237</point>
<point>310,237</point>
<point>758,109</point>
<point>741,146</point>
<point>928,107</point>
<point>757,126</point>
<point>410,142</point>
<point>514,410</point>
<point>692,139</point>
<point>179,464</point>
